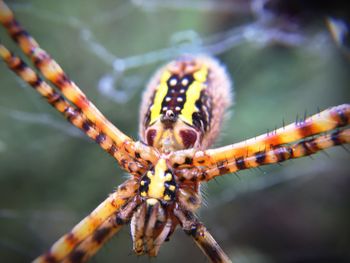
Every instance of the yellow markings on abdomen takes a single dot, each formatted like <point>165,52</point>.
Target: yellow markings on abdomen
<point>193,94</point>
<point>161,92</point>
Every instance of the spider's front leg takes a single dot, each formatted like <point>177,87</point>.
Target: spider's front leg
<point>71,113</point>
<point>107,134</point>
<point>281,145</point>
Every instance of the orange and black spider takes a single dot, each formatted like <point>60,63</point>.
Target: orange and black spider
<point>181,116</point>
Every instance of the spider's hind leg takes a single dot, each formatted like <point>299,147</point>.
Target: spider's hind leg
<point>201,236</point>
<point>90,246</point>
<point>63,247</point>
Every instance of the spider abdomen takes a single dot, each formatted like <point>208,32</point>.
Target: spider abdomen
<point>184,104</point>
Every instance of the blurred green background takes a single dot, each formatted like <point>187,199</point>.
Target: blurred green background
<point>51,175</point>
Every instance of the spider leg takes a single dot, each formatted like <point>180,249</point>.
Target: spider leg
<point>63,247</point>
<point>153,251</point>
<point>54,73</point>
<point>71,113</point>
<point>89,247</point>
<point>324,121</point>
<point>137,230</point>
<point>277,155</point>
<point>201,236</point>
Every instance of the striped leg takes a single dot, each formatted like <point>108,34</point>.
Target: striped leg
<point>54,73</point>
<point>201,236</point>
<point>279,154</point>
<point>89,247</point>
<point>66,244</point>
<point>324,121</point>
<point>71,113</point>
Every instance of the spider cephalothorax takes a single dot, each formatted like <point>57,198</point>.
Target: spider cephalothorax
<point>181,114</point>
<point>161,202</point>
<point>152,222</point>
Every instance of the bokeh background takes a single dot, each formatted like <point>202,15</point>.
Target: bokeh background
<point>283,64</point>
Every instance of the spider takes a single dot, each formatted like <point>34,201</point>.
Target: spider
<point>180,118</point>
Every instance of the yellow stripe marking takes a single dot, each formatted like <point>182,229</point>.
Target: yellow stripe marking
<point>201,75</point>
<point>193,94</point>
<point>161,92</point>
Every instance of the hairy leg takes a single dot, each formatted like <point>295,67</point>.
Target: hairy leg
<point>54,73</point>
<point>67,243</point>
<point>201,236</point>
<point>325,121</point>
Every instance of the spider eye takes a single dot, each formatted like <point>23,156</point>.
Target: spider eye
<point>150,136</point>
<point>189,137</point>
